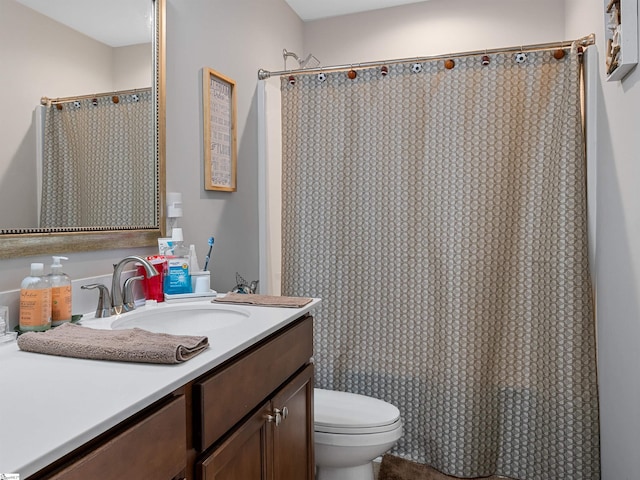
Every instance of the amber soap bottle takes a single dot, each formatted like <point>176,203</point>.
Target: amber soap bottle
<point>35,300</point>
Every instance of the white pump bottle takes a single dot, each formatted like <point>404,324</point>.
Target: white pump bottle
<point>35,300</point>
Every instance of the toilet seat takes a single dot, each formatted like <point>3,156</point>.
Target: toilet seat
<point>352,414</point>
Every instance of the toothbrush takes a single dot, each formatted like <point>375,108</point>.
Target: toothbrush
<point>208,257</point>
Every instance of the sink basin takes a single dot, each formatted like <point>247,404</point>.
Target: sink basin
<point>183,319</point>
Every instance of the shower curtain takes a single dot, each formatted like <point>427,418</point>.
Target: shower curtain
<point>97,169</point>
<point>441,216</point>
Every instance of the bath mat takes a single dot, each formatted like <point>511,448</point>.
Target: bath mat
<point>134,345</point>
<point>396,468</point>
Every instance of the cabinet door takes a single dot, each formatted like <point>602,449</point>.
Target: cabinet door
<point>293,436</point>
<point>242,456</point>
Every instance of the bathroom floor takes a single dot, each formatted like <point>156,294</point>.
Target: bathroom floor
<point>404,470</point>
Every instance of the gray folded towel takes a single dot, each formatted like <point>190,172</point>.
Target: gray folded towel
<point>132,345</point>
<point>264,300</point>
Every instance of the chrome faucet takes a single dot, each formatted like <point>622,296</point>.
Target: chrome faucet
<point>103,309</point>
<point>117,302</point>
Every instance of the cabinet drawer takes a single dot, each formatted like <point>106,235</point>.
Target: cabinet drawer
<point>226,397</point>
<point>153,449</point>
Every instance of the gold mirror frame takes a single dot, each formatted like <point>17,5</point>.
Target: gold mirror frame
<point>28,244</point>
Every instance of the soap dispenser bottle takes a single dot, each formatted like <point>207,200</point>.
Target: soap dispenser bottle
<point>60,293</point>
<point>35,300</point>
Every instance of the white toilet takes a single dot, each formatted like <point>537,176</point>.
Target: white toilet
<point>350,431</point>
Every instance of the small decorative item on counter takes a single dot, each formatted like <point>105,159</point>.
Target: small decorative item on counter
<point>5,334</point>
<point>201,281</point>
<point>179,248</point>
<point>35,300</point>
<point>207,259</point>
<point>165,246</point>
<point>194,264</point>
<point>60,293</point>
<point>153,286</point>
<point>177,279</point>
<point>243,286</point>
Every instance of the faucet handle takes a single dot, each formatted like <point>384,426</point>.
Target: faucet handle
<point>104,299</point>
<point>129,300</point>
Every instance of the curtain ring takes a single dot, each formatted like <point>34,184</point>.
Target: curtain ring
<point>486,60</point>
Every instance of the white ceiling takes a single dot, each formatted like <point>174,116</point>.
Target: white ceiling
<point>316,9</point>
<point>114,22</point>
<point>119,23</point>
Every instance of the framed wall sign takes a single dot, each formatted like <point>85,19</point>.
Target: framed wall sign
<point>219,109</point>
<point>621,37</point>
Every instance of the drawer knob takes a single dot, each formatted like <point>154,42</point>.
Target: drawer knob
<point>284,412</point>
<point>272,419</point>
<point>278,416</point>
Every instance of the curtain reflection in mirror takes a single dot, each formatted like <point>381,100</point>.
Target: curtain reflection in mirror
<point>95,162</point>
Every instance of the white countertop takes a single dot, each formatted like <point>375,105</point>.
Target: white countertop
<point>51,405</point>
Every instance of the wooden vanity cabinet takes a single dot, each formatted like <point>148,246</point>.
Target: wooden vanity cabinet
<point>250,418</point>
<point>269,444</point>
<point>254,418</point>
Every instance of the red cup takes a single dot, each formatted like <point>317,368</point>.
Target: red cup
<point>153,286</point>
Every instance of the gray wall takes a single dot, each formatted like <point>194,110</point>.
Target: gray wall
<point>234,38</point>
<point>617,264</point>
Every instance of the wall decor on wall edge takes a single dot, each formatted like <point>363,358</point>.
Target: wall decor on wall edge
<point>219,139</point>
<point>621,37</point>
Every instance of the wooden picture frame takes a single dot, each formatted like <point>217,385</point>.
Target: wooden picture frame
<point>220,147</point>
<point>621,37</point>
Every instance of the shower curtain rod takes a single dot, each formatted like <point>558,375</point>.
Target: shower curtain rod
<point>582,42</point>
<point>54,101</point>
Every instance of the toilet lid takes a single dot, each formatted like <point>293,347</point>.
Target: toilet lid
<point>336,412</point>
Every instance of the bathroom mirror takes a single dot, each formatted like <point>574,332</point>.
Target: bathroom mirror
<point>19,240</point>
